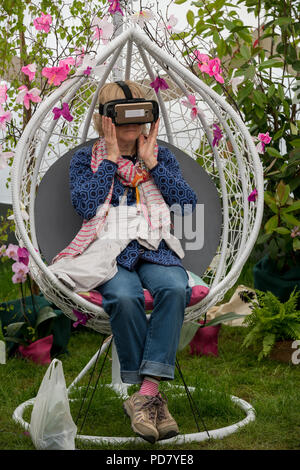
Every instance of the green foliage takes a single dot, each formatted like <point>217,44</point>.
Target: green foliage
<point>267,56</point>
<point>271,321</point>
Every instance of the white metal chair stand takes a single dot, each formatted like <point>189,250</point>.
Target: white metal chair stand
<point>233,166</point>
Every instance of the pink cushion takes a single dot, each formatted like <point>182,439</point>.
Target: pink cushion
<point>198,293</point>
<point>38,351</point>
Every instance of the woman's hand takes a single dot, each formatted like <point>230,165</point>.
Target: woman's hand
<point>110,137</point>
<point>147,146</point>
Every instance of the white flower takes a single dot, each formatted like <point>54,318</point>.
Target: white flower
<point>142,16</point>
<point>235,81</point>
<point>24,214</point>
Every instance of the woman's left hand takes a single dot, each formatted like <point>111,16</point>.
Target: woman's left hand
<point>147,145</point>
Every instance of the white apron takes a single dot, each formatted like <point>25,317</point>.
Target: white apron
<point>98,263</point>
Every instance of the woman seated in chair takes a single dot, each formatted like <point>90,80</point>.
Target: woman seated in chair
<point>126,169</point>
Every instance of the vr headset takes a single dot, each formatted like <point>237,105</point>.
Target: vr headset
<point>130,110</point>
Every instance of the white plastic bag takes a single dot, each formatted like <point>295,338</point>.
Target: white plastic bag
<point>51,425</point>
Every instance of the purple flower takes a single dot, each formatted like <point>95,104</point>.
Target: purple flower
<point>295,232</point>
<point>23,256</point>
<point>87,71</point>
<point>159,83</point>
<point>64,112</point>
<point>217,135</point>
<point>81,318</point>
<point>114,7</point>
<point>253,195</point>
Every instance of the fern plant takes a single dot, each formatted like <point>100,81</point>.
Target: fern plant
<point>271,321</point>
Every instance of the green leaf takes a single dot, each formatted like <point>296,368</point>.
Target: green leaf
<point>270,63</point>
<point>221,48</point>
<point>271,90</point>
<point>273,152</point>
<point>263,238</point>
<point>226,317</point>
<point>190,18</point>
<point>14,328</point>
<point>295,142</point>
<point>296,244</point>
<point>290,219</point>
<point>179,2</point>
<point>282,231</point>
<point>283,20</point>
<point>282,193</point>
<point>187,333</point>
<point>245,51</point>
<point>293,207</point>
<point>271,224</point>
<point>296,65</point>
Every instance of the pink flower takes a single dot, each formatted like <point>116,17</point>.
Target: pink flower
<point>20,270</point>
<point>209,66</point>
<point>25,96</point>
<point>23,255</point>
<point>64,112</point>
<point>295,232</point>
<point>3,94</point>
<point>66,62</point>
<point>191,103</point>
<point>29,70</point>
<point>87,71</point>
<point>103,29</point>
<point>202,59</point>
<point>79,56</point>
<point>5,116</point>
<point>159,83</point>
<point>217,135</point>
<point>12,251</point>
<point>114,7</point>
<point>4,156</point>
<point>56,75</point>
<point>265,138</point>
<point>43,23</point>
<point>253,195</point>
<point>214,69</point>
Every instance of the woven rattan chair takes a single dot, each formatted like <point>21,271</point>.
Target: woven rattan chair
<point>223,176</point>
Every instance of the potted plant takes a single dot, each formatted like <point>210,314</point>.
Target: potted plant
<point>273,325</point>
<point>30,324</point>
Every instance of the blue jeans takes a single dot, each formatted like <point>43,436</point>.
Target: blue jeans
<point>146,347</point>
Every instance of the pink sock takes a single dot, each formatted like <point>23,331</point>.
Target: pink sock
<point>149,387</point>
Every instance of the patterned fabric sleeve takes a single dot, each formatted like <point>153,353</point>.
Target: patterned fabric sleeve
<point>169,180</point>
<point>88,189</point>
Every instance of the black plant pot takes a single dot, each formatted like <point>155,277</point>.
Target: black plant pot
<point>268,278</point>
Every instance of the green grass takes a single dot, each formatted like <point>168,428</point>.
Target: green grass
<point>271,387</point>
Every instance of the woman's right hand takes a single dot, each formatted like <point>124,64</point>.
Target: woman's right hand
<point>110,137</point>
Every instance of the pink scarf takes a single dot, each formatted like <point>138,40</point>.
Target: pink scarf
<point>152,203</point>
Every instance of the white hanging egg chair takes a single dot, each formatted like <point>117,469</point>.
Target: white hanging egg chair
<point>233,166</point>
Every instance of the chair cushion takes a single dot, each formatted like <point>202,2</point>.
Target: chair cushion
<point>199,290</point>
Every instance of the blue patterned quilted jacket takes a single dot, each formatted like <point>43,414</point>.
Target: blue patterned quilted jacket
<point>89,190</point>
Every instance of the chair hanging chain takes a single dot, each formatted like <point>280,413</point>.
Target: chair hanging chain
<point>90,379</point>
<point>192,403</point>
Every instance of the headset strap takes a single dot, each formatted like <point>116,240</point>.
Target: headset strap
<point>126,89</point>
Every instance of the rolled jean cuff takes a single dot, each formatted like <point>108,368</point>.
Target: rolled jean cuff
<point>157,369</point>
<point>131,377</point>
